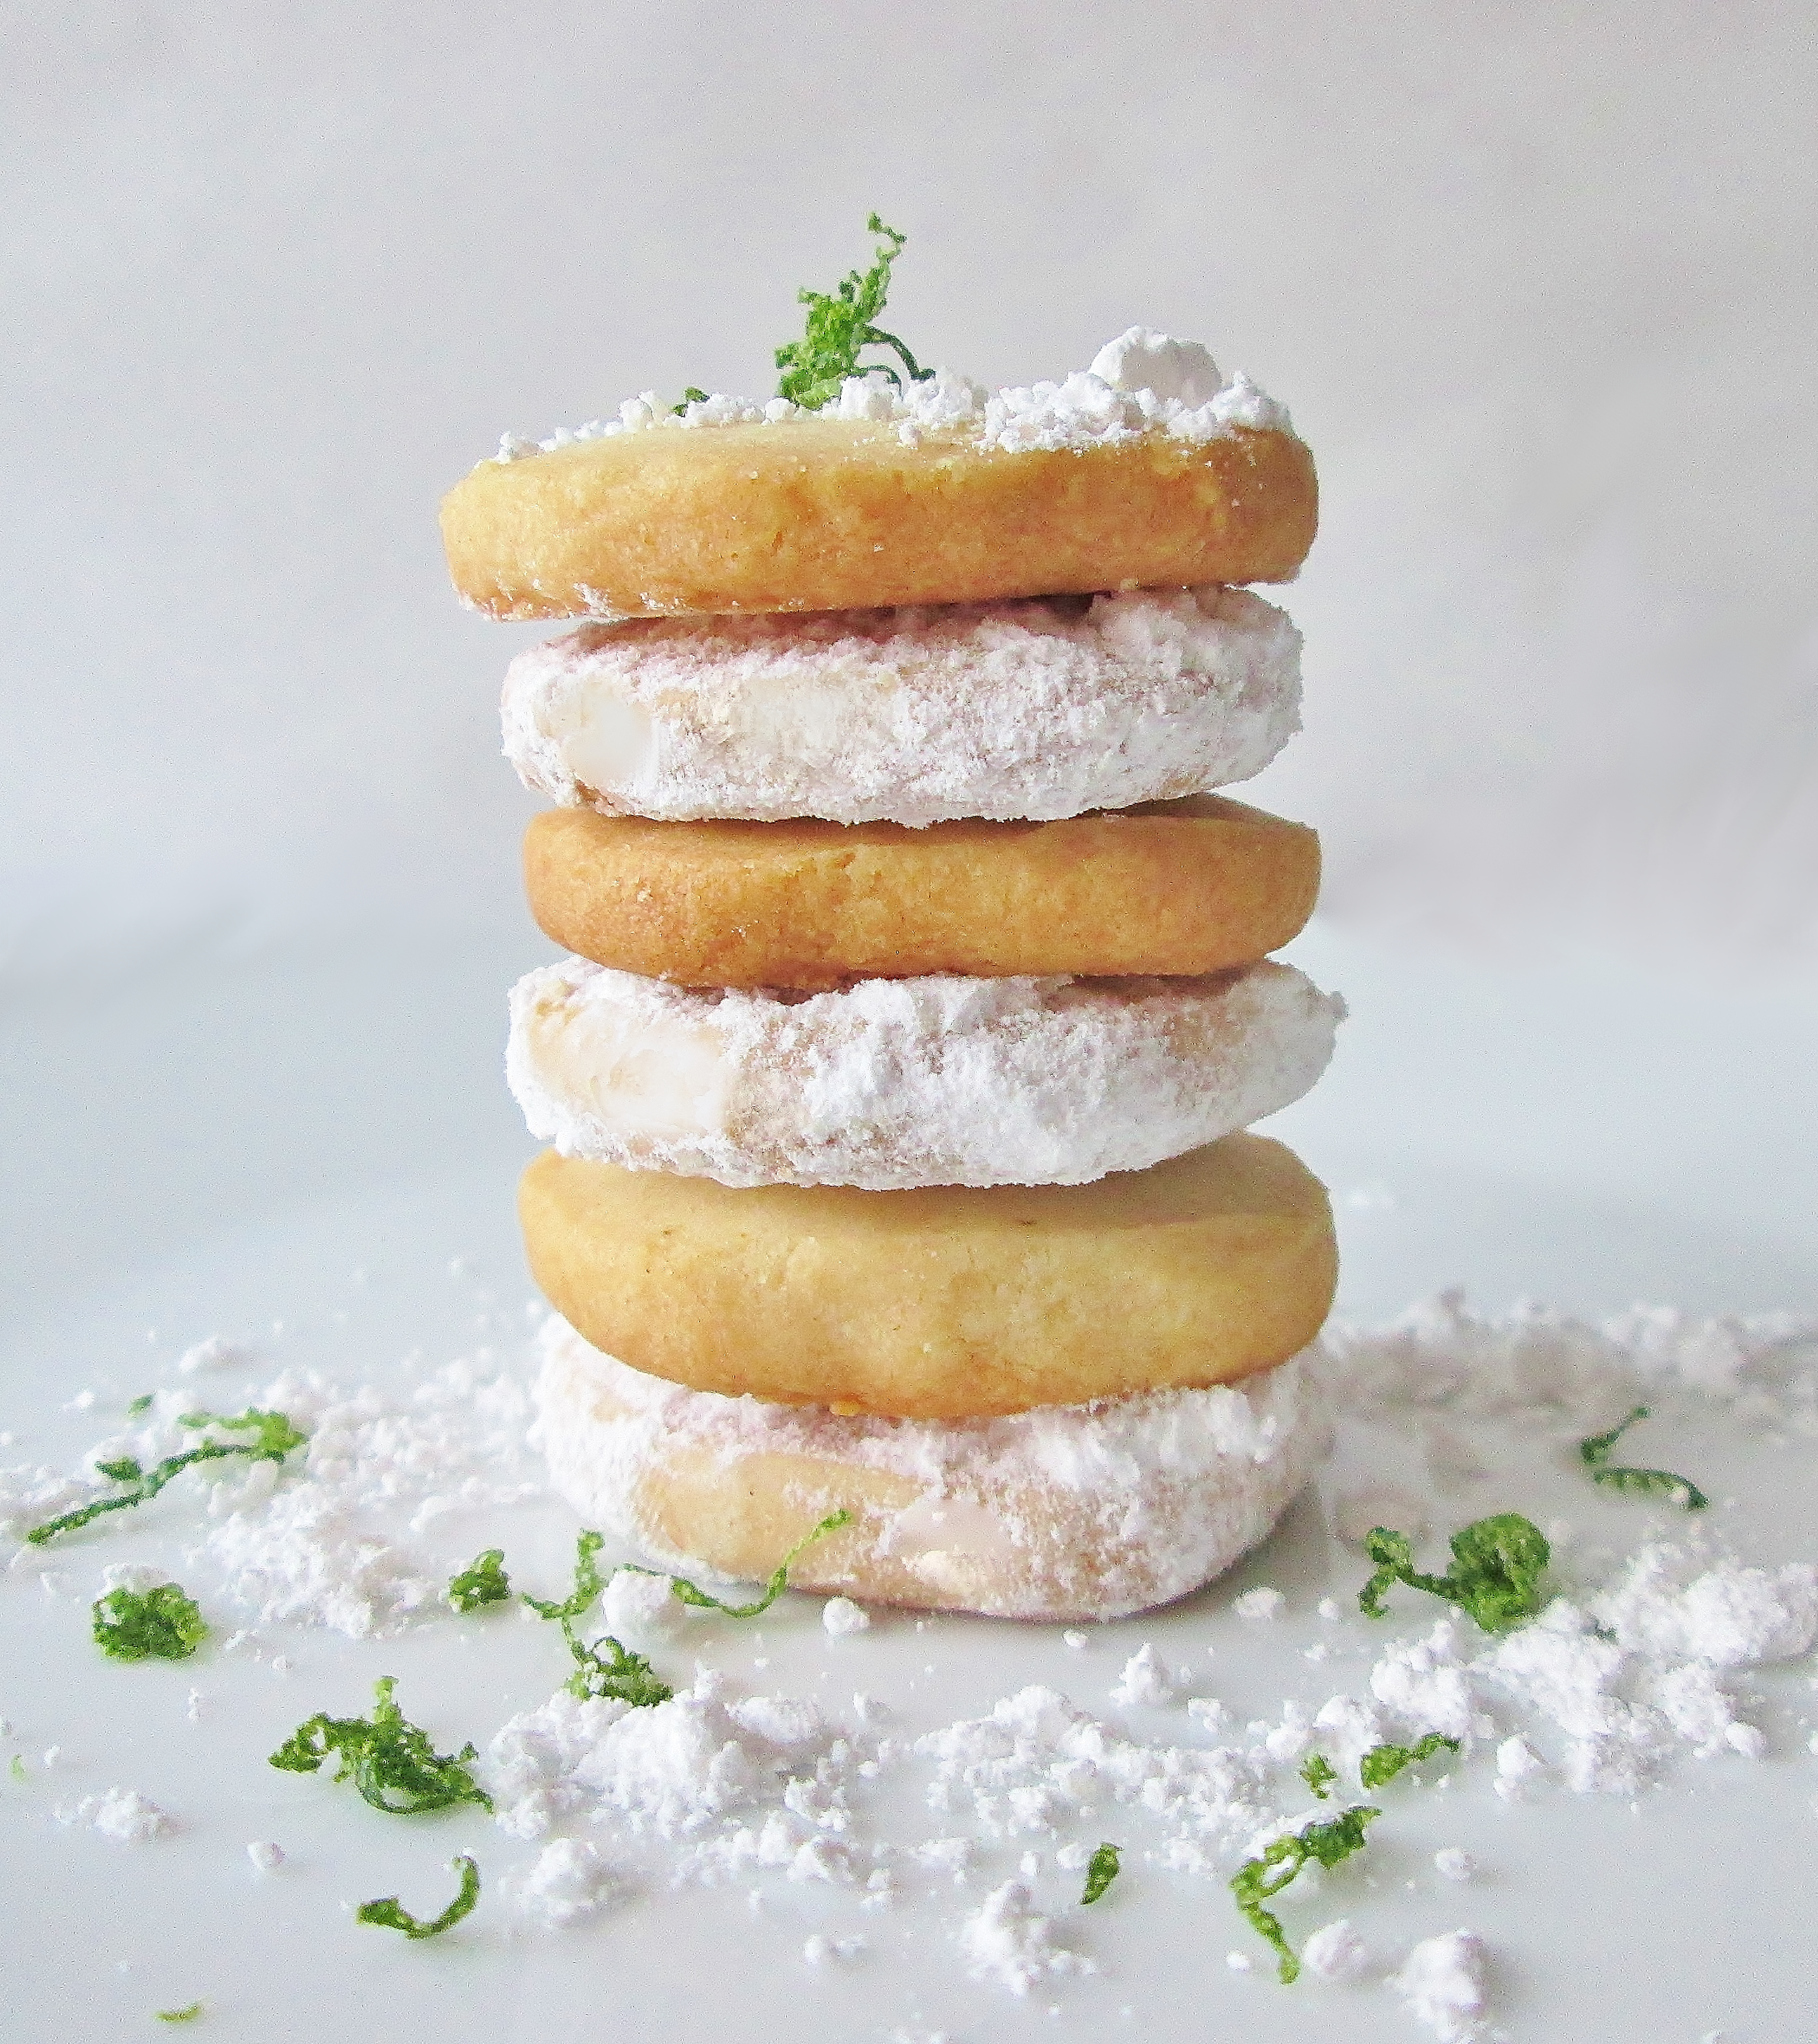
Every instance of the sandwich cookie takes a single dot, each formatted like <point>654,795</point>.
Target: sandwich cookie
<point>948,1302</point>
<point>901,1083</point>
<point>1067,1512</point>
<point>1170,888</point>
<point>1037,709</point>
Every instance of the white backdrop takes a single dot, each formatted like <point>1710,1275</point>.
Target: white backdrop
<point>1538,283</point>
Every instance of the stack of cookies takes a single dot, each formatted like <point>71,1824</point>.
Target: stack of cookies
<point>918,987</point>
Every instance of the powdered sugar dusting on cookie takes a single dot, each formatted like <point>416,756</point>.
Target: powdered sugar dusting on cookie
<point>889,1084</point>
<point>1034,710</point>
<point>1143,382</point>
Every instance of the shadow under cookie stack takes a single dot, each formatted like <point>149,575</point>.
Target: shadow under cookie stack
<point>918,988</point>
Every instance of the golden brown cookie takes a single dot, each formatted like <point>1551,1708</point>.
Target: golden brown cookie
<point>1185,887</point>
<point>942,1303</point>
<point>834,514</point>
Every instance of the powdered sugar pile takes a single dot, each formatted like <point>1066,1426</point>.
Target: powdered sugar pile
<point>1143,382</point>
<point>122,1815</point>
<point>1006,1940</point>
<point>325,1538</point>
<point>1442,1984</point>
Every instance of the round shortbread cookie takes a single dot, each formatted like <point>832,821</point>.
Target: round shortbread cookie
<point>820,513</point>
<point>946,1302</point>
<point>1176,888</point>
<point>896,1083</point>
<point>1031,710</point>
<point>1077,1511</point>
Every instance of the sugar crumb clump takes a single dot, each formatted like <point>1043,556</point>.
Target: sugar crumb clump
<point>1443,1982</point>
<point>1259,1603</point>
<point>1147,1679</point>
<point>842,1618</point>
<point>1008,1941</point>
<point>1335,1953</point>
<point>122,1815</point>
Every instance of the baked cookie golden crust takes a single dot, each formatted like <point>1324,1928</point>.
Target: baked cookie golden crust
<point>1169,888</point>
<point>834,514</point>
<point>944,1302</point>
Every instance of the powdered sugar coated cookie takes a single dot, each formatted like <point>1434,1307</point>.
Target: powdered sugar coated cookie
<point>893,1084</point>
<point>1066,1511</point>
<point>1032,710</point>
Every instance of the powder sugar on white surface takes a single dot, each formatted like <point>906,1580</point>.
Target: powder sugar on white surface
<point>31,1494</point>
<point>1518,1767</point>
<point>1440,1356</point>
<point>639,1607</point>
<point>570,1879</point>
<point>1147,1679</point>
<point>1335,1953</point>
<point>1007,1940</point>
<point>215,1353</point>
<point>1036,1761</point>
<point>732,1785</point>
<point>317,1541</point>
<point>1426,1685</point>
<point>1681,1602</point>
<point>1259,1603</point>
<point>951,1857</point>
<point>821,1950</point>
<point>121,1814</point>
<point>842,1618</point>
<point>1442,1984</point>
<point>323,1538</point>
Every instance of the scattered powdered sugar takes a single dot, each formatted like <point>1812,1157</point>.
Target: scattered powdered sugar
<point>121,1814</point>
<point>640,1607</point>
<point>215,1353</point>
<point>1143,382</point>
<point>1147,1679</point>
<point>569,1880</point>
<point>1007,1940</point>
<point>1037,1761</point>
<point>820,1950</point>
<point>1442,1984</point>
<point>842,1618</point>
<point>1034,709</point>
<point>742,1784</point>
<point>1518,1766</point>
<point>891,1084</point>
<point>316,1540</point>
<point>1263,1603</point>
<point>1336,1951</point>
<point>1538,1362</point>
<point>1681,1602</point>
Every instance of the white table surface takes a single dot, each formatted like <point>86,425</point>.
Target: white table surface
<point>208,1143</point>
